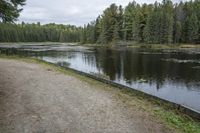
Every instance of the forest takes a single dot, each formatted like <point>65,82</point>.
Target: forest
<point>159,23</point>
<point>10,32</point>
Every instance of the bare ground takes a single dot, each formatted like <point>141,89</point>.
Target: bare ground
<point>37,99</point>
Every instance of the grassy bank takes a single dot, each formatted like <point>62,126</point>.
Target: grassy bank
<point>165,46</point>
<point>162,112</point>
<point>150,46</point>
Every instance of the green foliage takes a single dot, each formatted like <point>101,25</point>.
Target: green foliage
<point>9,9</point>
<point>192,31</point>
<point>182,123</point>
<point>106,28</point>
<point>38,33</point>
<point>158,23</point>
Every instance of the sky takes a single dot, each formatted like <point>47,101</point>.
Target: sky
<point>74,12</point>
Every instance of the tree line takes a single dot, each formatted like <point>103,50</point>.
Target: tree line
<point>10,32</point>
<point>158,23</point>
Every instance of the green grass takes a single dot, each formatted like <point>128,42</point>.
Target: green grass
<point>162,112</point>
<point>186,124</point>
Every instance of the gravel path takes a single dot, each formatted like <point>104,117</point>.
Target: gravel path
<point>37,99</point>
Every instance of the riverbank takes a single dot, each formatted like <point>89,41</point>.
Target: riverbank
<point>37,43</point>
<point>149,46</point>
<point>129,45</point>
<point>165,46</point>
<point>148,112</point>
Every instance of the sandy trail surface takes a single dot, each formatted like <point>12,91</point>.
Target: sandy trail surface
<point>37,99</point>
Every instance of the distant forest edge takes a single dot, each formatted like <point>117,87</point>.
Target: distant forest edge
<point>158,23</point>
<point>10,32</point>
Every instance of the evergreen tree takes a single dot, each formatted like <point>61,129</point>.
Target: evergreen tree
<point>10,9</point>
<point>152,30</point>
<point>116,33</point>
<point>167,22</point>
<point>177,32</point>
<point>193,28</point>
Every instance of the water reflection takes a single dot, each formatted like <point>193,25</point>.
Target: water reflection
<point>133,66</point>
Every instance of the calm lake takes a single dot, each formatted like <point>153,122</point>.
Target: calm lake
<point>173,75</point>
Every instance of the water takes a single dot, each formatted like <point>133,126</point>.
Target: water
<point>173,75</point>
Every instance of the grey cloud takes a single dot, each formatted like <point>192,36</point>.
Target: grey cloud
<point>74,12</point>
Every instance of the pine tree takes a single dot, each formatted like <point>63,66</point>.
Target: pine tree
<point>120,21</point>
<point>152,30</point>
<point>192,29</point>
<point>61,37</point>
<point>167,23</point>
<point>9,10</point>
<point>116,33</point>
<point>177,32</point>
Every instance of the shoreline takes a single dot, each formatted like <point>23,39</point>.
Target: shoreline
<point>128,45</point>
<point>39,43</point>
<point>149,46</point>
<point>163,111</point>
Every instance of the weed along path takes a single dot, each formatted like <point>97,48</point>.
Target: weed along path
<point>36,98</point>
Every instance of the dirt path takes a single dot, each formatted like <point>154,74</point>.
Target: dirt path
<point>40,100</point>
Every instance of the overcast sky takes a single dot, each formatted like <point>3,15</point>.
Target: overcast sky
<point>75,12</point>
